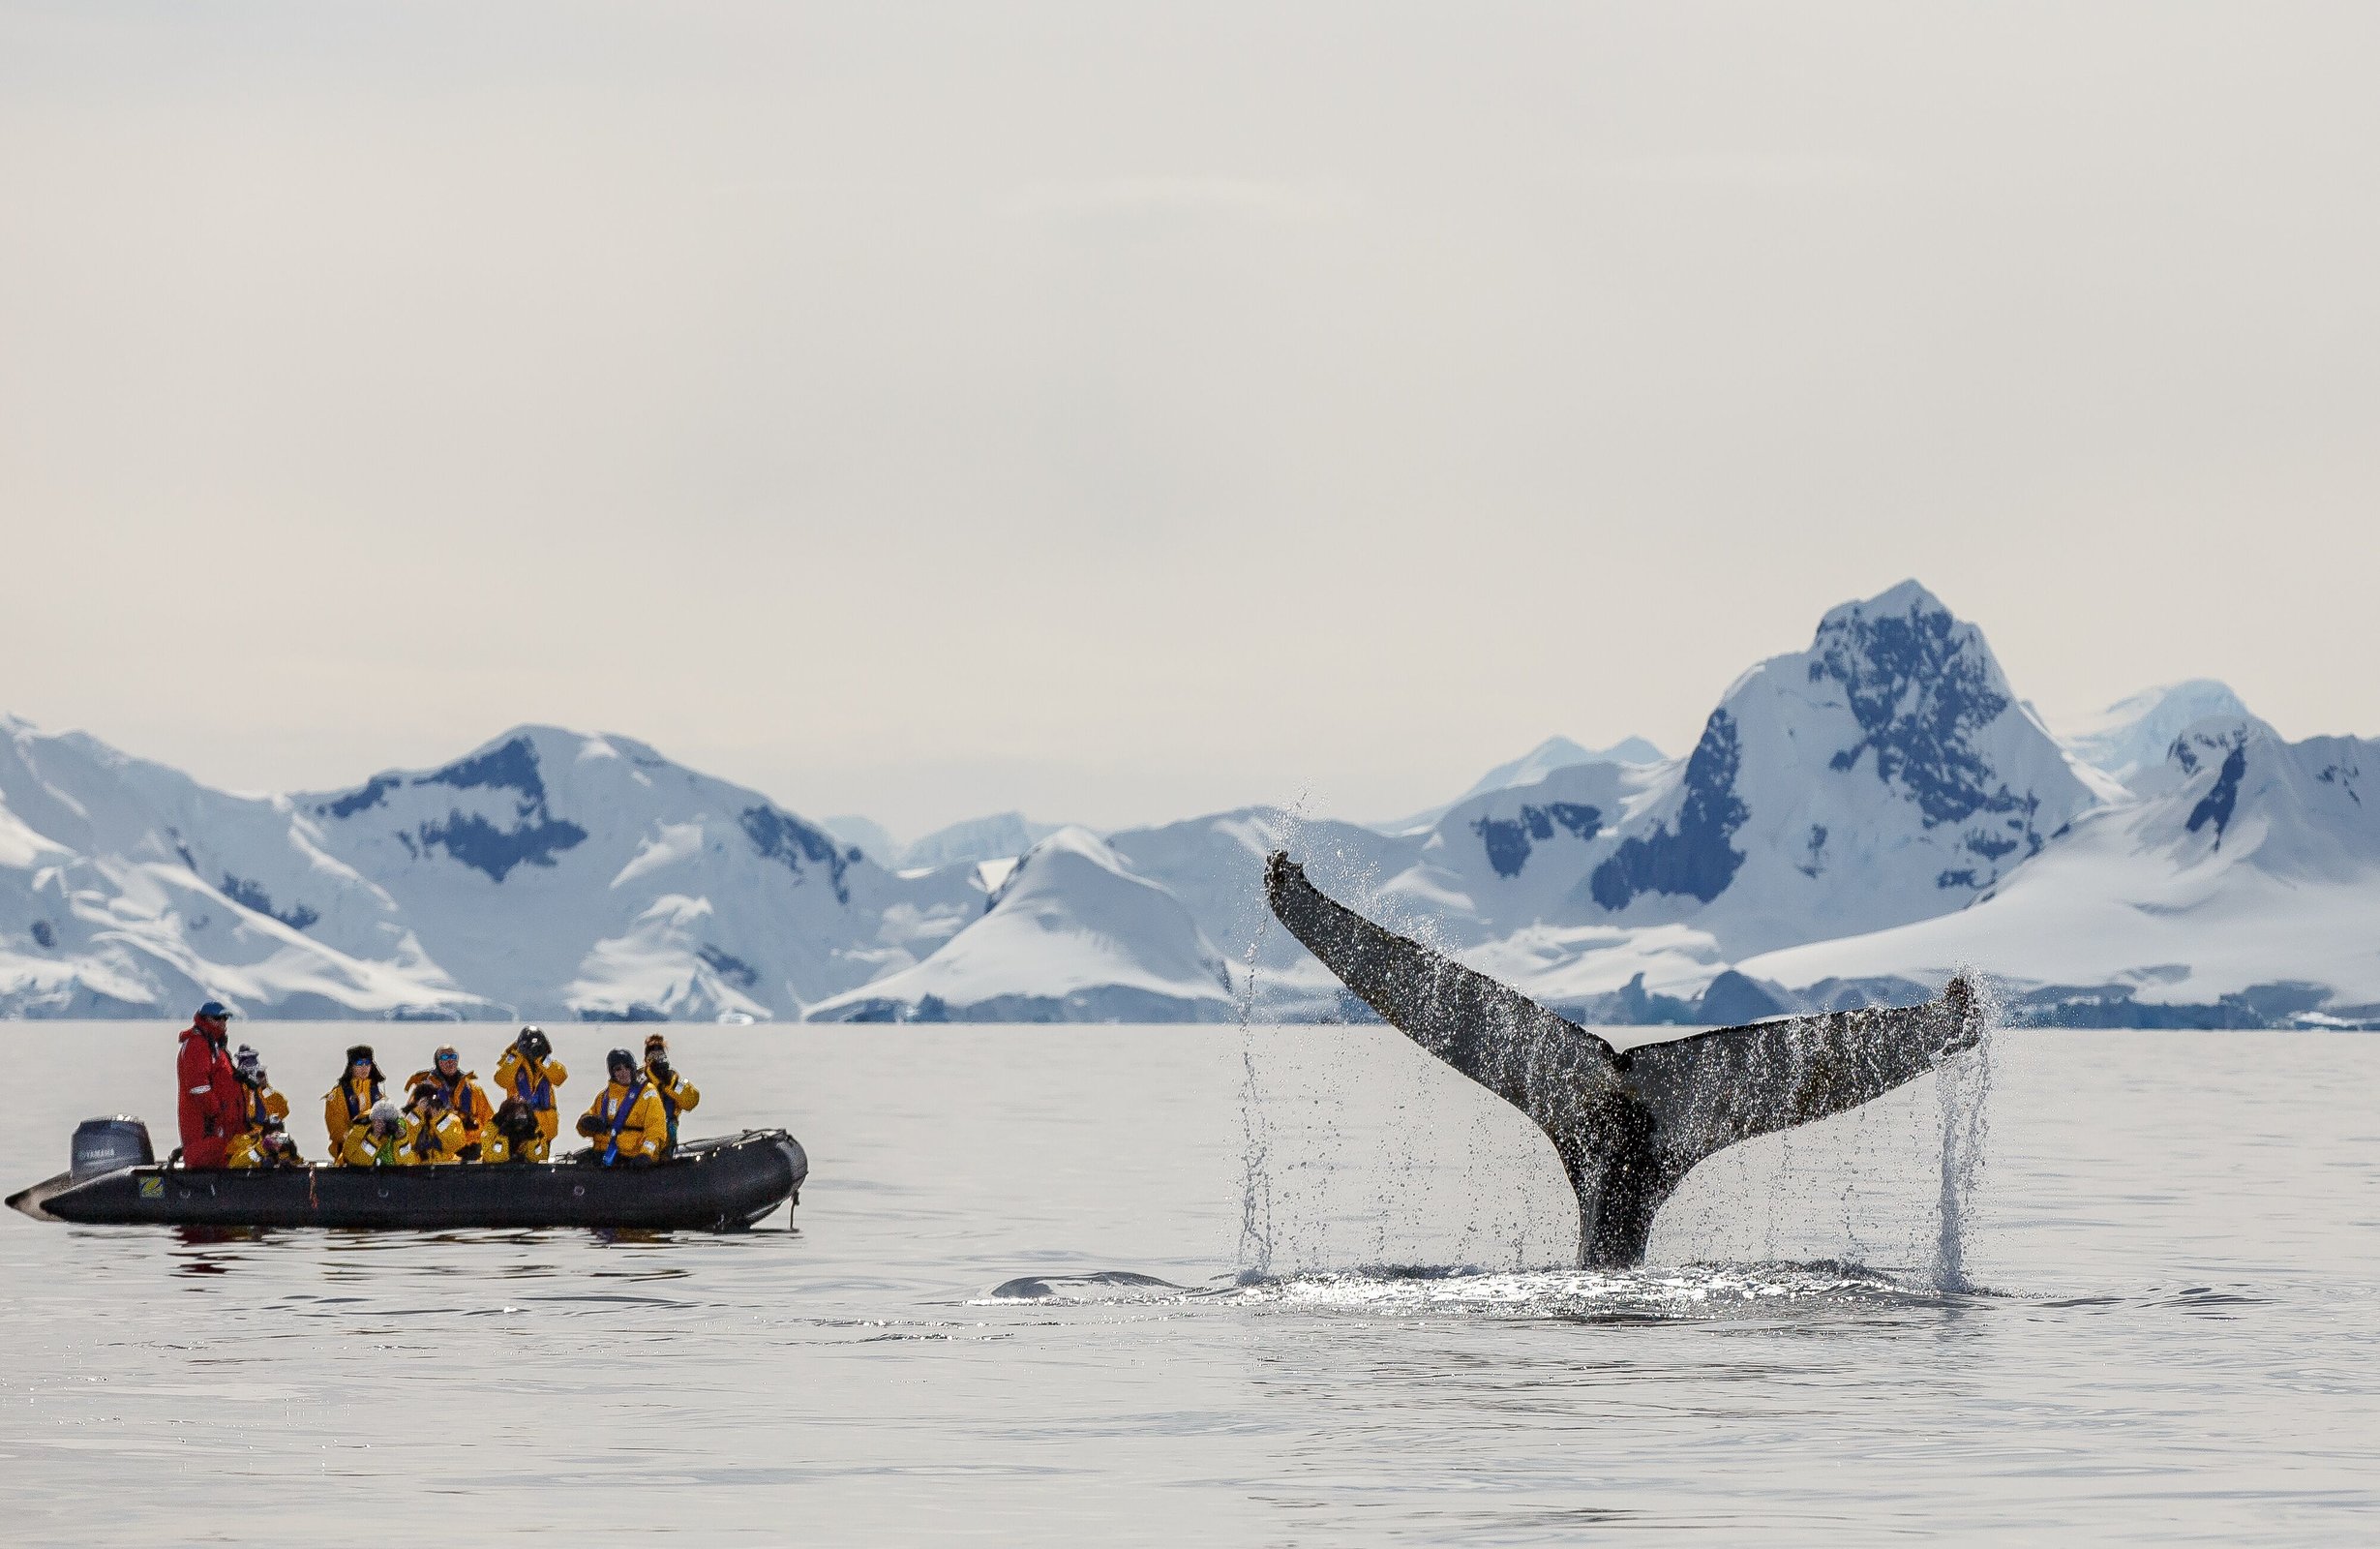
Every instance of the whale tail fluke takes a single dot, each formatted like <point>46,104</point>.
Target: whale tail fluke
<point>1628,1127</point>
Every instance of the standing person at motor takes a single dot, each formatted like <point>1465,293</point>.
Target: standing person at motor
<point>435,1136</point>
<point>529,1071</point>
<point>345,1104</point>
<point>470,1105</point>
<point>208,1088</point>
<point>513,1135</point>
<point>626,1124</point>
<point>380,1139</point>
<point>263,1140</point>
<point>676,1092</point>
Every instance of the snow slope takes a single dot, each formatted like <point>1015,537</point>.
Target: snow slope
<point>2130,736</point>
<point>2243,887</point>
<point>983,838</point>
<point>128,888</point>
<point>1551,754</point>
<point>1072,935</point>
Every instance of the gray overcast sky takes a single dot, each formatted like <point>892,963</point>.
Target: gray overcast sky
<point>1121,413</point>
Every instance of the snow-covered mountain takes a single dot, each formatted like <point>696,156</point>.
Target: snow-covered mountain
<point>560,871</point>
<point>126,886</point>
<point>548,873</point>
<point>2242,889</point>
<point>996,837</point>
<point>1553,753</point>
<point>1856,819</point>
<point>2130,736</point>
<point>1072,935</point>
<point>1886,774</point>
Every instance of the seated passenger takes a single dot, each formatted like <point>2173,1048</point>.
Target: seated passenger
<point>676,1092</point>
<point>379,1140</point>
<point>263,1138</point>
<point>345,1104</point>
<point>463,1094</point>
<point>437,1135</point>
<point>529,1071</point>
<point>268,1147</point>
<point>626,1124</point>
<point>513,1135</point>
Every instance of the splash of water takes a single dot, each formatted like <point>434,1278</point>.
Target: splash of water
<point>1962,1088</point>
<point>1255,1250</point>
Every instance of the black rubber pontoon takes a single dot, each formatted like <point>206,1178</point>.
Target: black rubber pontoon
<point>721,1185</point>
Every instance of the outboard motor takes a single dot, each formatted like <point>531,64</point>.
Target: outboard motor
<point>105,1145</point>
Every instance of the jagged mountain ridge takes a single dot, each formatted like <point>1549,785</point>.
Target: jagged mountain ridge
<point>1856,818</point>
<point>547,873</point>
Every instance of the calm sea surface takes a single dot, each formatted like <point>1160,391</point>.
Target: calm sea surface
<point>2150,1319</point>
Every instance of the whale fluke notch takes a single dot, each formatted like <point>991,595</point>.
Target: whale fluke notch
<point>1628,1127</point>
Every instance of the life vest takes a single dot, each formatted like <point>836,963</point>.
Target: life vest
<point>386,1150</point>
<point>357,1107</point>
<point>458,1096</point>
<point>537,1094</point>
<point>619,1117</point>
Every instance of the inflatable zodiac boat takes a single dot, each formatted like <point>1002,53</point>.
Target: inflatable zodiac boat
<point>721,1185</point>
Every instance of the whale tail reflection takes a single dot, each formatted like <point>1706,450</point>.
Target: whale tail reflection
<point>1628,1126</point>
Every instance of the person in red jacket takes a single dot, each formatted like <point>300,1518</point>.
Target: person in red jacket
<point>212,1111</point>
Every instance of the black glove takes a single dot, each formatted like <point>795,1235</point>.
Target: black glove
<point>589,1125</point>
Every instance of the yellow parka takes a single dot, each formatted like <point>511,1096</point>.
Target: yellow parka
<point>345,1106</point>
<point>361,1150</point>
<point>642,1133</point>
<point>678,1095</point>
<point>470,1105</point>
<point>534,1084</point>
<point>433,1142</point>
<point>259,1105</point>
<point>496,1148</point>
<point>247,1151</point>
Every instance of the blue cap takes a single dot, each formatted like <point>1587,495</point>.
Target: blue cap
<point>215,1009</point>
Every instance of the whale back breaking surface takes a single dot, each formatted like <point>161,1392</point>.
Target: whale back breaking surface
<point>1628,1126</point>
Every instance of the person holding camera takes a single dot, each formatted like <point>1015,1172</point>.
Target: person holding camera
<point>513,1135</point>
<point>676,1092</point>
<point>529,1072</point>
<point>263,1140</point>
<point>379,1139</point>
<point>436,1136</point>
